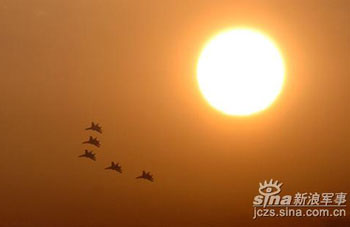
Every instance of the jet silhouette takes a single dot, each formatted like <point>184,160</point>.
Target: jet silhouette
<point>115,167</point>
<point>93,141</point>
<point>88,154</point>
<point>146,176</point>
<point>95,127</point>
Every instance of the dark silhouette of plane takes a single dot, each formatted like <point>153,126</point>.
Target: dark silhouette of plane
<point>115,167</point>
<point>93,141</point>
<point>88,154</point>
<point>95,127</point>
<point>146,176</point>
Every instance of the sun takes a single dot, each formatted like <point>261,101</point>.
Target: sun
<point>240,72</point>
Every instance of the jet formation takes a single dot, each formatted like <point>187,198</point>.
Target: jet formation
<point>114,166</point>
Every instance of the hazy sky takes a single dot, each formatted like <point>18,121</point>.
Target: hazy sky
<point>130,65</point>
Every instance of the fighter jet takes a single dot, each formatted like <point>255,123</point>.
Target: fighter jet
<point>88,154</point>
<point>146,176</point>
<point>93,141</point>
<point>115,167</point>
<point>95,127</point>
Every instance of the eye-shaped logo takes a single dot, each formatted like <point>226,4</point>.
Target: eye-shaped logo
<point>271,188</point>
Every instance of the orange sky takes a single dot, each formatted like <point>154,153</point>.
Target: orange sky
<point>130,65</point>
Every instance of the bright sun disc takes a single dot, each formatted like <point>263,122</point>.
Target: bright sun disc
<point>240,72</point>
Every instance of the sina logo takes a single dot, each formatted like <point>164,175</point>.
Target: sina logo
<point>269,195</point>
